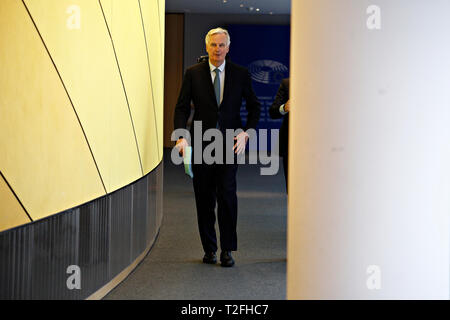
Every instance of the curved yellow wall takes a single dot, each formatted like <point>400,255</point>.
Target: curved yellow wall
<point>81,103</point>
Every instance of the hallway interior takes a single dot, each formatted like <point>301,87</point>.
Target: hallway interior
<point>173,269</point>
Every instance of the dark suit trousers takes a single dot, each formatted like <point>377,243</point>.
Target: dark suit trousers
<point>216,182</point>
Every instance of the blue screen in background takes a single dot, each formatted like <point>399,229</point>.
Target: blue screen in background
<point>264,51</point>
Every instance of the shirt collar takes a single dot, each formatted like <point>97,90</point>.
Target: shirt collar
<point>213,67</point>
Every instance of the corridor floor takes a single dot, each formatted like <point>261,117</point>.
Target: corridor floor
<point>173,269</point>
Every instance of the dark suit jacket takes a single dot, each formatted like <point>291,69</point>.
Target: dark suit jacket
<point>198,87</point>
<point>281,98</point>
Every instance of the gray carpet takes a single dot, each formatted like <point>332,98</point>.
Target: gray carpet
<point>173,269</point>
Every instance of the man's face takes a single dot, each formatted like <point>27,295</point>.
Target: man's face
<point>217,48</point>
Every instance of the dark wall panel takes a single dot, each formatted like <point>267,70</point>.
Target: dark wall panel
<point>55,247</point>
<point>121,218</point>
<point>94,243</point>
<point>15,257</point>
<point>101,238</point>
<point>140,218</point>
<point>151,204</point>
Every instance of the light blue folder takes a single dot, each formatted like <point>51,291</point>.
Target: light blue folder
<point>187,159</point>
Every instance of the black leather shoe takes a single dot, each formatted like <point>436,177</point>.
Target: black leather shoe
<point>210,258</point>
<point>226,260</point>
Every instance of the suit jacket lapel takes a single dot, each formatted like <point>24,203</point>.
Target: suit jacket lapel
<point>228,77</point>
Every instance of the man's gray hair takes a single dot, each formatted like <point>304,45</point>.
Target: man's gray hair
<point>217,31</point>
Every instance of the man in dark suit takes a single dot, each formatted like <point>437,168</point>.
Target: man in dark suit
<point>280,108</point>
<point>216,87</point>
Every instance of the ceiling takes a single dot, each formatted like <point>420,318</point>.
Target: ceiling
<point>230,6</point>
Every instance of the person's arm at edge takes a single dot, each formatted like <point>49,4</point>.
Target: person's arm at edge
<point>280,100</point>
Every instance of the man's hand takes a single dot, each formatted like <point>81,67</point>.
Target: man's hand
<point>241,141</point>
<point>181,146</point>
<point>287,106</point>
